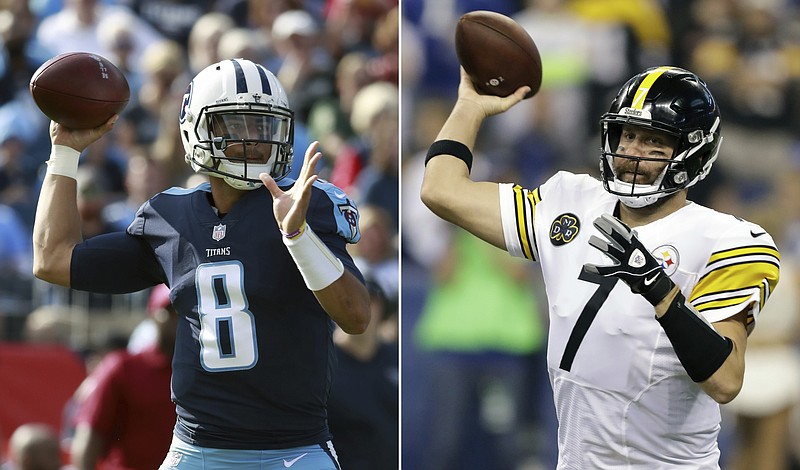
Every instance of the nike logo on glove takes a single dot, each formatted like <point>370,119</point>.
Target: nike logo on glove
<point>289,463</point>
<point>647,281</point>
<point>756,235</point>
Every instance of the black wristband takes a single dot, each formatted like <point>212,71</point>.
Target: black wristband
<point>450,147</point>
<point>697,344</point>
<point>660,288</point>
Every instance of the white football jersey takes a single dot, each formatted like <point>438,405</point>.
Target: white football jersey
<point>622,397</point>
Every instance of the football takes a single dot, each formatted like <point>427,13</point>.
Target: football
<point>497,53</point>
<point>79,90</point>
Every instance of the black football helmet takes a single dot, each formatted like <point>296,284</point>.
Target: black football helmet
<point>671,100</point>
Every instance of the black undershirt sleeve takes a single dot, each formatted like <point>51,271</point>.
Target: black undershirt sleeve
<point>114,263</point>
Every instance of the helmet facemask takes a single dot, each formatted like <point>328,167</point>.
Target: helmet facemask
<point>243,142</point>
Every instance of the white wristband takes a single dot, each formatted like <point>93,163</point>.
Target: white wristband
<point>63,161</point>
<point>317,264</point>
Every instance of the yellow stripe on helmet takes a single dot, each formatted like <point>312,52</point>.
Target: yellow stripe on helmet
<point>644,87</point>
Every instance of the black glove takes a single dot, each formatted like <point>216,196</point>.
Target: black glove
<point>634,264</point>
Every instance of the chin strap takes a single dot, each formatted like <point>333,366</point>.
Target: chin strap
<point>635,202</point>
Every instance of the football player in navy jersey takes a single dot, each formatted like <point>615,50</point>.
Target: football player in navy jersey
<point>257,267</point>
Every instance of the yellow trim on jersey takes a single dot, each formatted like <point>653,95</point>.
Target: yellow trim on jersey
<point>644,87</point>
<point>738,270</point>
<point>734,277</point>
<point>720,303</point>
<point>535,197</point>
<point>747,250</point>
<point>522,226</point>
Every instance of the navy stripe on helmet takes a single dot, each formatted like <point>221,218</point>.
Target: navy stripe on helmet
<point>262,72</point>
<point>241,82</point>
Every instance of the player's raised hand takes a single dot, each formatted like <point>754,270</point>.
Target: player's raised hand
<point>639,269</point>
<point>79,139</point>
<point>290,206</point>
<point>488,104</point>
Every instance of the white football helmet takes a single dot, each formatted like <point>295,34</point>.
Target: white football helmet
<point>236,123</point>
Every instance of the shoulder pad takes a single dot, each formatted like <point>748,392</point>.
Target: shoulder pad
<point>344,210</point>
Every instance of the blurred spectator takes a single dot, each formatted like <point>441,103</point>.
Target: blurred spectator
<point>125,415</point>
<point>567,46</point>
<point>77,28</point>
<point>143,180</point>
<point>257,14</point>
<point>328,122</point>
<point>15,250</point>
<point>350,25</point>
<point>385,40</point>
<point>50,324</point>
<point>375,120</point>
<point>753,63</point>
<point>480,325</point>
<point>93,196</point>
<point>306,68</point>
<point>164,82</point>
<point>204,40</point>
<point>119,38</point>
<point>20,53</point>
<point>172,18</point>
<point>244,43</point>
<point>17,174</point>
<point>364,399</point>
<point>33,446</point>
<point>644,21</point>
<point>763,412</point>
<point>376,253</point>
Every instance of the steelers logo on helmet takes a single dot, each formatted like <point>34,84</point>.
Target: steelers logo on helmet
<point>564,229</point>
<point>669,258</point>
<point>236,124</point>
<point>667,100</point>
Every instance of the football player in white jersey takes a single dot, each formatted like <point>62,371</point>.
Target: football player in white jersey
<point>651,296</point>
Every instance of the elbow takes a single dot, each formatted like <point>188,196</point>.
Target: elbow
<point>358,324</point>
<point>434,198</point>
<point>46,268</point>
<point>726,396</point>
<point>40,268</point>
<point>723,393</point>
<point>428,195</point>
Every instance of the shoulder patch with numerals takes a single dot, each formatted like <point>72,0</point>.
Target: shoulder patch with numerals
<point>564,229</point>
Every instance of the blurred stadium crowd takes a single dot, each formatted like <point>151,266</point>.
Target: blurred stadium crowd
<point>461,328</point>
<point>338,61</point>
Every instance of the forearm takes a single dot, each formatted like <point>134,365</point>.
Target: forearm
<point>56,228</point>
<point>724,383</point>
<point>347,303</point>
<point>338,291</point>
<point>463,123</point>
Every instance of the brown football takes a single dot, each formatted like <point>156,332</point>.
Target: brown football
<point>497,53</point>
<point>79,90</point>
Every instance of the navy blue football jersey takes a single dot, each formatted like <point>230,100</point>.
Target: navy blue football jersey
<point>254,357</point>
